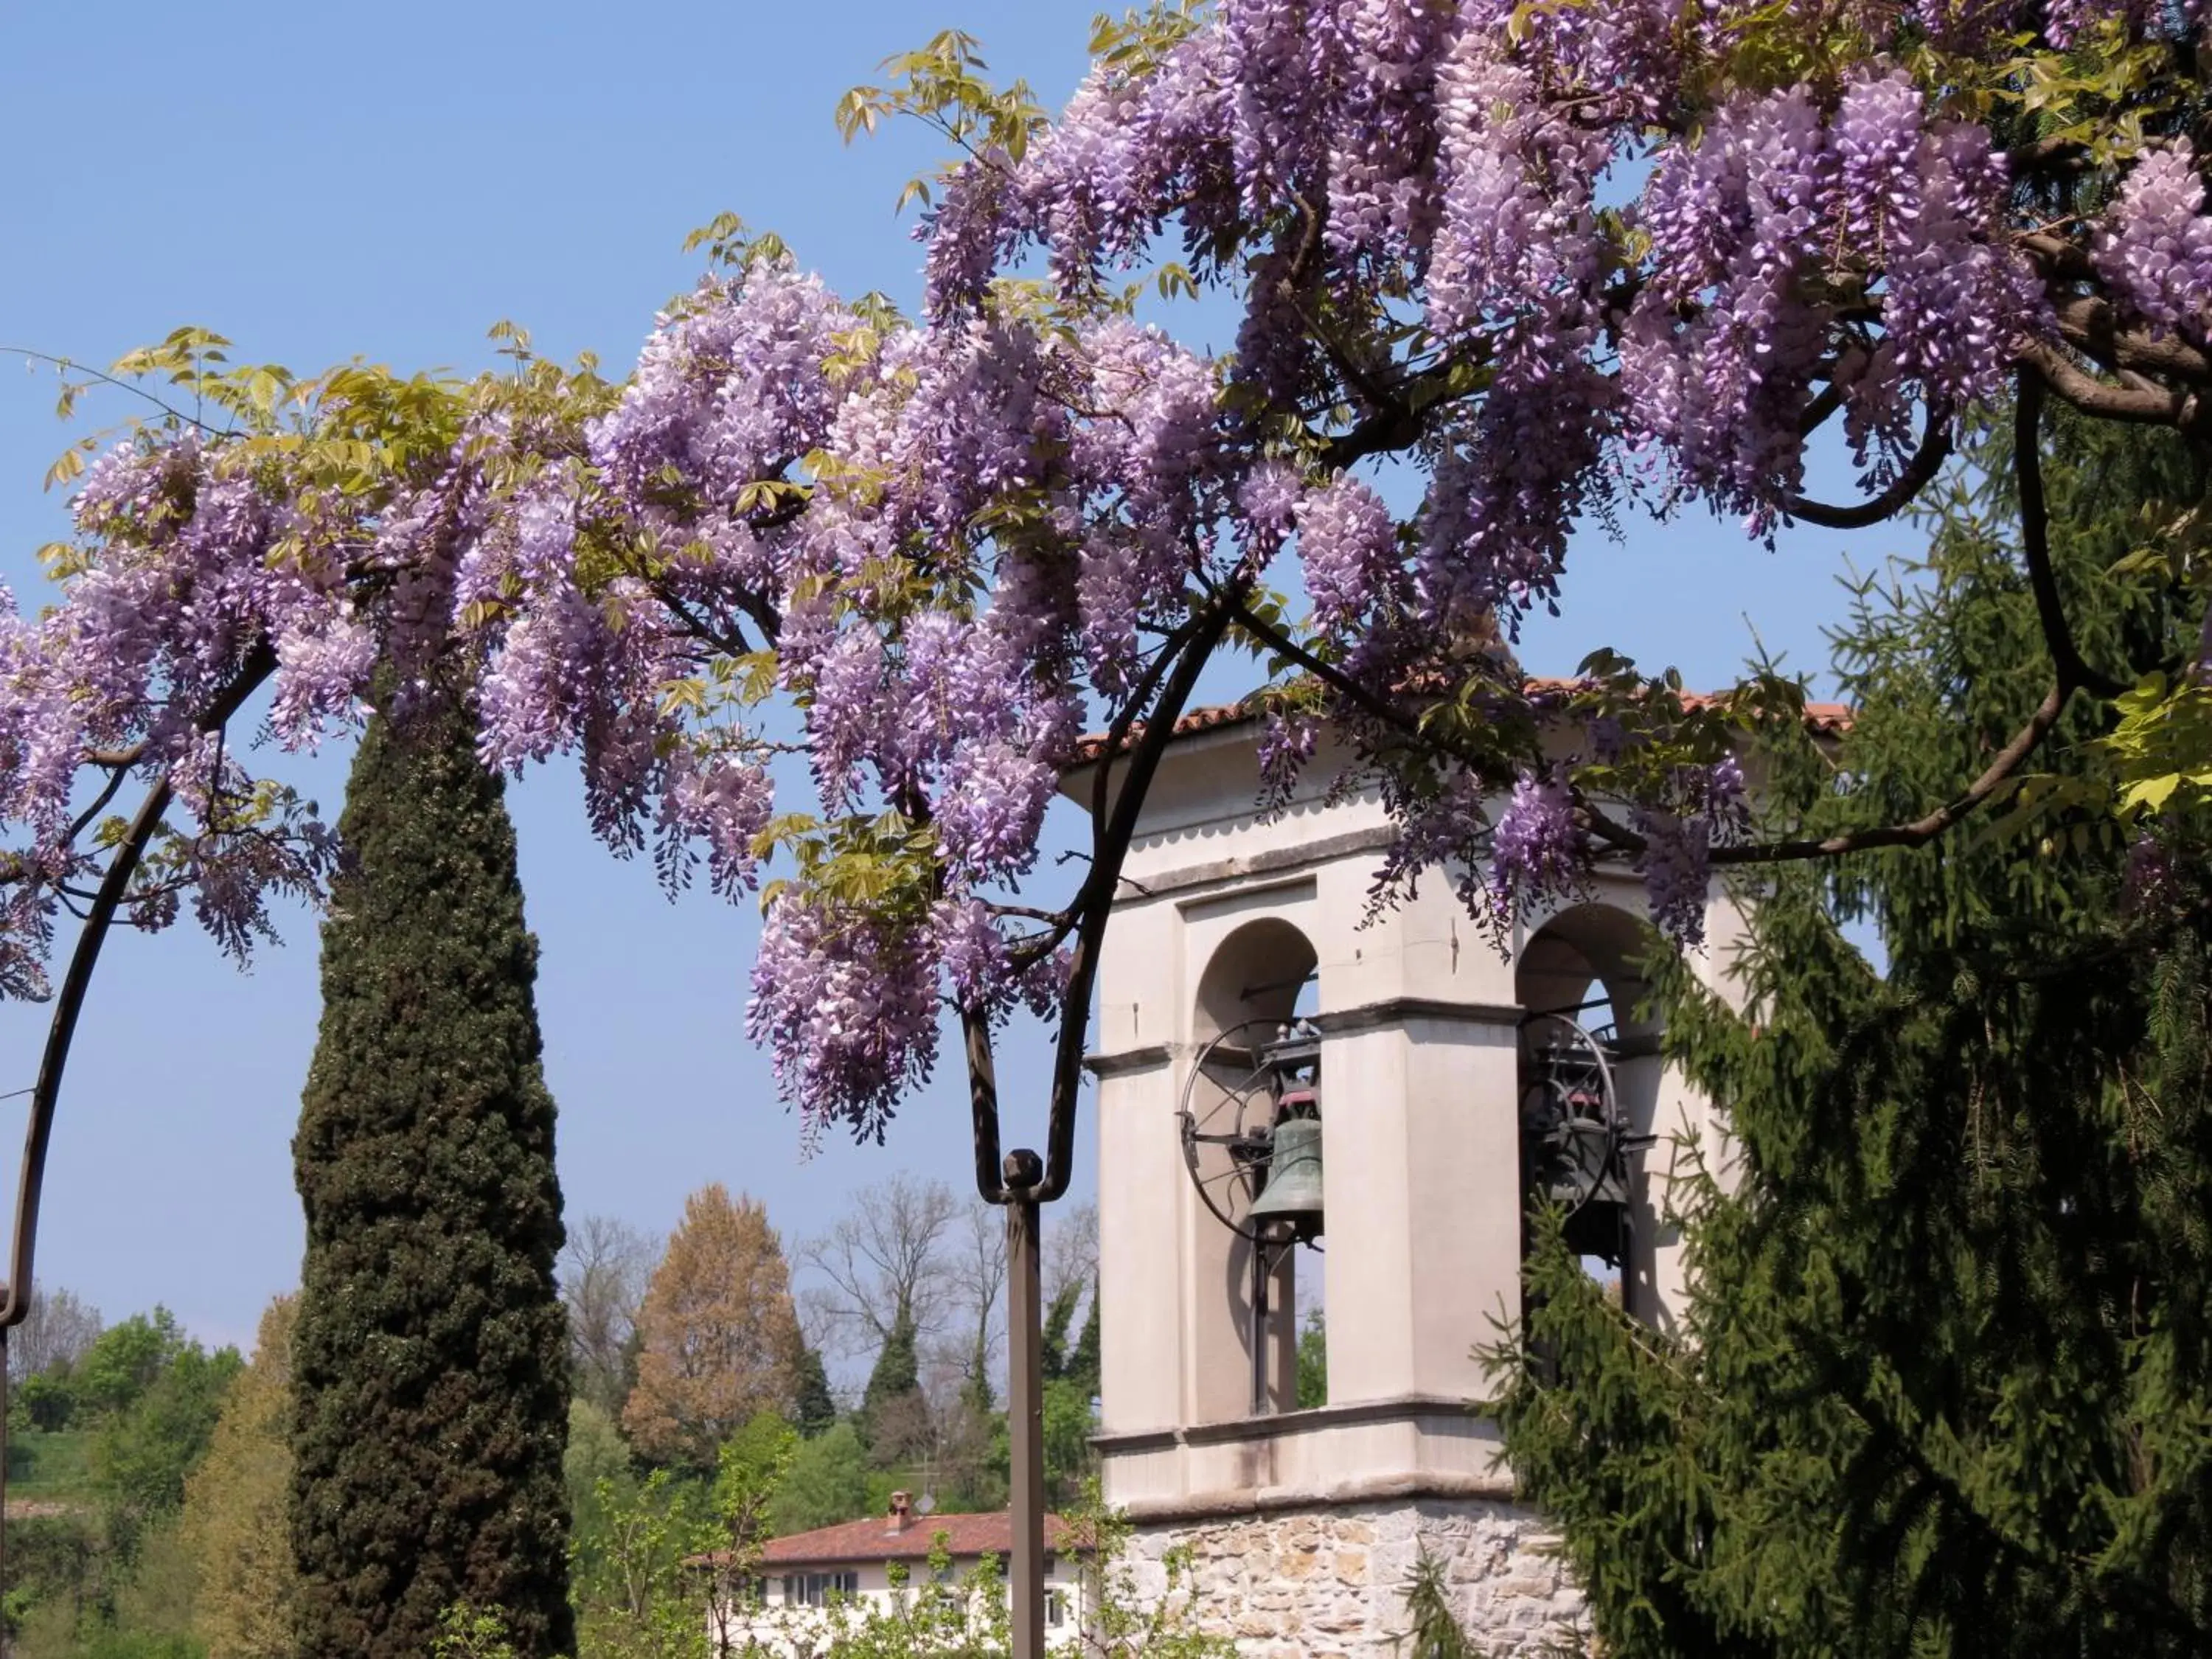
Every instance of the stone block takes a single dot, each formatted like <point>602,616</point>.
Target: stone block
<point>1322,1582</point>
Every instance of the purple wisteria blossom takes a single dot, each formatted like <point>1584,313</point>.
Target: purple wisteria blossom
<point>1483,277</point>
<point>1537,846</point>
<point>2156,250</point>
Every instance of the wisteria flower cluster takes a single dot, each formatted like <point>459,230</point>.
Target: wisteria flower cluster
<point>825,597</point>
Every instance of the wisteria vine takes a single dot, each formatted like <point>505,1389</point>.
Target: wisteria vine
<point>1566,259</point>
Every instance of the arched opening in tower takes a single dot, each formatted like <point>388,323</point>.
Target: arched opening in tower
<point>1590,1073</point>
<point>1251,1128</point>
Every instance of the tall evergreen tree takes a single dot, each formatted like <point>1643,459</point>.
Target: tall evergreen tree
<point>814,1409</point>
<point>1058,1317</point>
<point>1944,1386</point>
<point>1083,1358</point>
<point>892,1410</point>
<point>430,1359</point>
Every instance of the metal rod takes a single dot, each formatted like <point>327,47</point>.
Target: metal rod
<point>5,1644</point>
<point>1259,1389</point>
<point>1025,1403</point>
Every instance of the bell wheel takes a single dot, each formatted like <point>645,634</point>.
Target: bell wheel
<point>1574,1135</point>
<point>1227,1123</point>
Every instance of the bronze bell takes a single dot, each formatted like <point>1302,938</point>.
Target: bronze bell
<point>1293,1190</point>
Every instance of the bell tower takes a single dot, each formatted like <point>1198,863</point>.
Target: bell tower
<point>1297,1093</point>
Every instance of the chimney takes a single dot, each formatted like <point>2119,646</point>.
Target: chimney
<point>902,1511</point>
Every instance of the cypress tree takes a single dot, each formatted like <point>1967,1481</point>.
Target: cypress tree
<point>1943,1384</point>
<point>813,1406</point>
<point>430,1359</point>
<point>1053,1339</point>
<point>1082,1359</point>
<point>891,1400</point>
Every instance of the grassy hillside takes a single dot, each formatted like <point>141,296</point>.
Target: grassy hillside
<point>60,1469</point>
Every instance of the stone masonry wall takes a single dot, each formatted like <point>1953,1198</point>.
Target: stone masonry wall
<point>1328,1583</point>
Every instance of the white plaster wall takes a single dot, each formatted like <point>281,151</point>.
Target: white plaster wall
<point>790,1632</point>
<point>1420,1096</point>
<point>1141,1209</point>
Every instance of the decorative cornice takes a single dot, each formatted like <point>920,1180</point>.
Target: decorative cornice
<point>1401,1011</point>
<point>1369,1017</point>
<point>1265,861</point>
<point>1123,1063</point>
<point>1241,1501</point>
<point>1132,1441</point>
<point>1396,1408</point>
<point>1358,1413</point>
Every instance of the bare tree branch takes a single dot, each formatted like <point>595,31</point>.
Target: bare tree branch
<point>603,1271</point>
<point>885,1259</point>
<point>1109,846</point>
<point>2024,743</point>
<point>1071,1252</point>
<point>976,1262</point>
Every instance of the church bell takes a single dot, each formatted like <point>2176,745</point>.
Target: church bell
<point>1293,1190</point>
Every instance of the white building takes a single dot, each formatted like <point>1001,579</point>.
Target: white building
<point>788,1604</point>
<point>1237,945</point>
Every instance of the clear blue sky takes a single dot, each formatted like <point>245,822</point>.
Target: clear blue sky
<point>320,182</point>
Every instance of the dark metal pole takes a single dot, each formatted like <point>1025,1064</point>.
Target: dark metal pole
<point>1258,1321</point>
<point>6,1644</point>
<point>1025,1402</point>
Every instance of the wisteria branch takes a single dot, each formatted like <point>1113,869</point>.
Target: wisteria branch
<point>1095,902</point>
<point>1117,734</point>
<point>1334,678</point>
<point>2141,405</point>
<point>2035,544</point>
<point>69,1001</point>
<point>85,819</point>
<point>1934,449</point>
<point>1620,838</point>
<point>67,365</point>
<point>1145,733</point>
<point>1920,830</point>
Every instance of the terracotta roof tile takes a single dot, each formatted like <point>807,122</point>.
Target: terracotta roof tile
<point>873,1540</point>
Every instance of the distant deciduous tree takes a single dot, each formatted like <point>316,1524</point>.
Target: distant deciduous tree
<point>603,1271</point>
<point>884,1264</point>
<point>143,1447</point>
<point>235,1528</point>
<point>124,1360</point>
<point>719,1339</point>
<point>1313,1361</point>
<point>1071,1253</point>
<point>978,1270</point>
<point>828,1483</point>
<point>58,1327</point>
<point>1083,1358</point>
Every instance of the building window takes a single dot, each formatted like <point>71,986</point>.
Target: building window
<point>1055,1608</point>
<point>814,1590</point>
